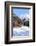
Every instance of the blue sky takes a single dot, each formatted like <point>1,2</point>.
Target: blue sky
<point>21,12</point>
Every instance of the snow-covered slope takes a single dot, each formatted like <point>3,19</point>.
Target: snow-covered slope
<point>21,31</point>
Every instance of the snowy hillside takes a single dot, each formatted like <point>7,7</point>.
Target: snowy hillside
<point>21,31</point>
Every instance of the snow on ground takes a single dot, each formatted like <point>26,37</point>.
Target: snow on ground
<point>21,31</point>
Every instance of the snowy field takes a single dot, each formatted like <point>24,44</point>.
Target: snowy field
<point>21,31</point>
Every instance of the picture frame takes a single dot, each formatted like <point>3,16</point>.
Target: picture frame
<point>14,13</point>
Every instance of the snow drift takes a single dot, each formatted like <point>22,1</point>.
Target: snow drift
<point>21,31</point>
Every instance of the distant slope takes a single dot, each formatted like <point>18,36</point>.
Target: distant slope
<point>16,21</point>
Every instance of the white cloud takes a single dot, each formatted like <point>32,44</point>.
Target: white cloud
<point>24,16</point>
